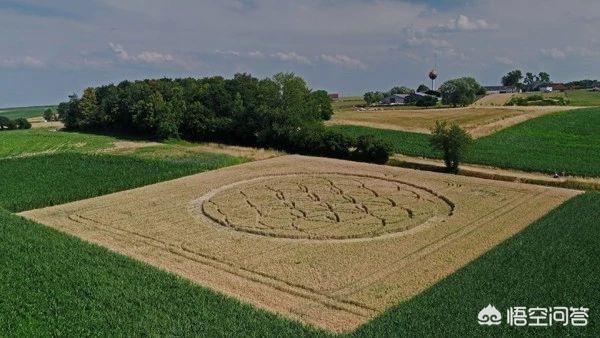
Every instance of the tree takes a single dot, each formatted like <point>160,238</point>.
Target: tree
<point>320,102</point>
<point>460,92</point>
<point>22,123</point>
<point>544,77</point>
<point>513,78</point>
<point>530,81</point>
<point>452,141</point>
<point>401,90</point>
<point>50,115</point>
<point>422,88</point>
<point>373,97</point>
<point>426,101</point>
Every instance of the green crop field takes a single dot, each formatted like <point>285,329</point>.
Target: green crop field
<point>553,262</point>
<point>52,284</point>
<point>31,141</point>
<point>403,142</point>
<point>566,141</point>
<point>26,112</point>
<point>39,181</point>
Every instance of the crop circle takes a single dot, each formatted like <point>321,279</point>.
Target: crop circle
<point>322,206</point>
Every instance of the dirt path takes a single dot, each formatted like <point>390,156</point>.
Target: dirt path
<point>499,174</point>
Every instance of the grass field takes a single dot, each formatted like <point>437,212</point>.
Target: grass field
<point>20,142</point>
<point>480,121</point>
<point>56,285</point>
<point>39,181</point>
<point>26,112</point>
<point>553,262</point>
<point>403,142</point>
<point>565,141</point>
<point>578,98</point>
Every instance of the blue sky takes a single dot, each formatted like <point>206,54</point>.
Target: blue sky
<point>53,48</point>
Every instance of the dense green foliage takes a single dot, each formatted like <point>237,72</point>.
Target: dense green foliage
<point>26,112</point>
<point>20,142</point>
<point>426,101</point>
<point>40,181</point>
<point>452,141</point>
<point>18,123</point>
<point>536,100</point>
<point>553,262</point>
<point>402,142</point>
<point>566,141</point>
<point>460,92</point>
<point>279,113</point>
<point>56,285</point>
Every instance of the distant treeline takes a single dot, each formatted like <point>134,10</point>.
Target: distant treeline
<point>585,84</point>
<point>279,112</point>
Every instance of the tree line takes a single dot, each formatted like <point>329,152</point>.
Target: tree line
<point>279,112</point>
<point>18,123</point>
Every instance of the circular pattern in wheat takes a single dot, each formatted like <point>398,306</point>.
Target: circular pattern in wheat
<point>324,206</point>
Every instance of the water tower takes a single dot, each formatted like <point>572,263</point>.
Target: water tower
<point>433,74</point>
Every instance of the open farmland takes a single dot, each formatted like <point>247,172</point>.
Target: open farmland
<point>26,112</point>
<point>284,246</point>
<point>565,141</point>
<point>499,99</point>
<point>479,121</point>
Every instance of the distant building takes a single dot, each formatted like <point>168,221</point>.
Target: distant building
<point>500,89</point>
<point>558,86</point>
<point>334,96</point>
<point>545,89</point>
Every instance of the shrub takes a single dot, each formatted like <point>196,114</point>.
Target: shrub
<point>452,141</point>
<point>50,115</point>
<point>426,101</point>
<point>371,149</point>
<point>22,123</point>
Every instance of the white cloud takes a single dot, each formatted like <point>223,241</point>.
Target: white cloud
<point>504,60</point>
<point>554,53</point>
<point>344,61</point>
<point>463,23</point>
<point>25,62</point>
<point>291,57</point>
<point>150,57</point>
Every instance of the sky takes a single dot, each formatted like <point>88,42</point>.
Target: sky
<point>51,49</point>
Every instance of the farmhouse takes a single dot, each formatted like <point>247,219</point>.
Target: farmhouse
<point>334,96</point>
<point>500,89</point>
<point>558,86</point>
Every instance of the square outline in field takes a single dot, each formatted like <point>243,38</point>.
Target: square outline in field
<point>332,284</point>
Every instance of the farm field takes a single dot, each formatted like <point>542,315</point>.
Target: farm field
<point>580,97</point>
<point>291,208</point>
<point>26,112</point>
<point>403,142</point>
<point>34,141</point>
<point>480,121</point>
<point>64,177</point>
<point>565,141</point>
<point>494,99</point>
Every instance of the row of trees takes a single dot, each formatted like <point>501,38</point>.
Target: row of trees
<point>18,123</point>
<point>457,92</point>
<point>279,112</point>
<point>530,80</point>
